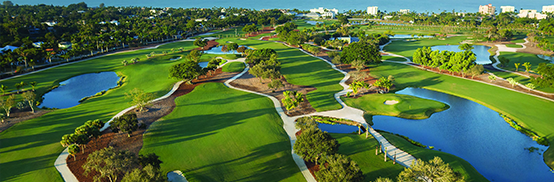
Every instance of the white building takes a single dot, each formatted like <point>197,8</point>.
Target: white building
<point>548,9</point>
<point>404,11</point>
<point>507,9</point>
<point>487,9</point>
<point>329,14</point>
<point>531,13</point>
<point>372,10</point>
<point>322,10</point>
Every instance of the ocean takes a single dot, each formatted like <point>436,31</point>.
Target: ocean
<point>342,5</point>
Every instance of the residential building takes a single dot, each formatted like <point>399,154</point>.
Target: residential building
<point>531,13</point>
<point>328,14</point>
<point>322,10</point>
<point>372,10</point>
<point>7,48</point>
<point>487,9</point>
<point>404,11</point>
<point>548,9</point>
<point>507,9</point>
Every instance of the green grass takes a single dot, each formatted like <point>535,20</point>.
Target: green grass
<point>362,151</point>
<point>457,164</point>
<point>392,58</point>
<point>219,134</point>
<point>302,69</point>
<point>407,49</point>
<point>28,149</point>
<point>518,41</point>
<point>521,79</point>
<point>233,67</point>
<point>529,111</point>
<point>514,45</point>
<point>409,107</point>
<point>517,57</point>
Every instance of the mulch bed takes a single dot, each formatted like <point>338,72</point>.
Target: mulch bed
<point>265,30</point>
<point>134,143</point>
<point>249,82</point>
<point>209,45</point>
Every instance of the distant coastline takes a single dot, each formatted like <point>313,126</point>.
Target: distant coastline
<point>418,6</point>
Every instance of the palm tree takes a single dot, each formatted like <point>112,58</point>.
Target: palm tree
<point>3,88</point>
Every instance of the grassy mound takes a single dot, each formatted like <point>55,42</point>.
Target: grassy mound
<point>233,67</point>
<point>219,134</point>
<point>409,107</point>
<point>362,151</point>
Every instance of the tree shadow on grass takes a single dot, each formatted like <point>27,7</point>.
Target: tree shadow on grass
<point>278,167</point>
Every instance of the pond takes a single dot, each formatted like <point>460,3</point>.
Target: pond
<point>406,36</point>
<point>481,52</point>
<point>74,89</point>
<point>203,64</point>
<point>217,50</point>
<point>337,128</point>
<point>475,133</point>
<point>548,58</point>
<point>312,22</point>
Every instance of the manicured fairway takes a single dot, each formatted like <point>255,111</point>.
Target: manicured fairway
<point>531,112</point>
<point>520,79</point>
<point>409,107</point>
<point>407,49</point>
<point>457,164</point>
<point>392,58</point>
<point>219,134</point>
<point>362,151</point>
<point>302,69</point>
<point>233,67</point>
<point>517,57</point>
<point>514,46</point>
<point>28,149</point>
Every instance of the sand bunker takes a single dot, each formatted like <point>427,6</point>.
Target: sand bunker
<point>177,58</point>
<point>391,102</point>
<point>176,176</point>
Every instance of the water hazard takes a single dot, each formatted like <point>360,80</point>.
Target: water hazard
<point>74,89</point>
<point>475,133</point>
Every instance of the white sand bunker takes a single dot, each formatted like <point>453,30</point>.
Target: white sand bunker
<point>391,102</point>
<point>173,59</point>
<point>176,176</point>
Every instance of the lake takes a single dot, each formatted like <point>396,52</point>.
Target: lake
<point>475,133</point>
<point>74,89</point>
<point>217,50</point>
<point>481,52</point>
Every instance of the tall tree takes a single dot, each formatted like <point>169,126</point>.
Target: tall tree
<point>434,170</point>
<point>126,124</point>
<point>369,53</point>
<point>139,98</point>
<point>186,71</point>
<point>30,97</point>
<point>339,168</point>
<point>110,163</point>
<point>313,144</point>
<point>8,104</point>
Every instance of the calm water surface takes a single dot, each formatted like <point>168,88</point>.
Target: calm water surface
<point>74,89</point>
<point>337,128</point>
<point>475,133</point>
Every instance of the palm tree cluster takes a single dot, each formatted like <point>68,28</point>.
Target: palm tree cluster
<point>44,33</point>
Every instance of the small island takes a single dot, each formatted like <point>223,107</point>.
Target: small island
<point>409,107</point>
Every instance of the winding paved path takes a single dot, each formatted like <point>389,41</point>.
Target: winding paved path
<point>346,112</point>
